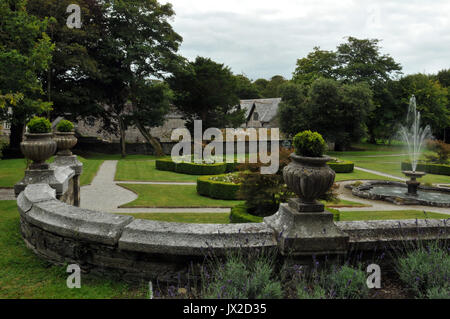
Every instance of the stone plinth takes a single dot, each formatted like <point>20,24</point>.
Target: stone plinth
<point>301,233</point>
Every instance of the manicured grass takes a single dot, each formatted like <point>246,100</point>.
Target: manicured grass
<point>360,175</point>
<point>173,196</point>
<point>24,275</point>
<point>344,203</point>
<point>388,165</point>
<point>191,218</point>
<point>386,215</point>
<point>146,171</point>
<point>13,170</point>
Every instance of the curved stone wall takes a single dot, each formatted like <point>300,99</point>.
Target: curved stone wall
<point>147,250</point>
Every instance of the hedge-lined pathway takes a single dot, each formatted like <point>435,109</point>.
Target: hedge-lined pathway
<point>105,195</point>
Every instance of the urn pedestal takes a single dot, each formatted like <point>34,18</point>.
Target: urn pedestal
<point>302,226</point>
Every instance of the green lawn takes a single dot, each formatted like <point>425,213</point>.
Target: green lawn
<point>24,275</point>
<point>12,171</point>
<point>388,165</point>
<point>344,203</point>
<point>386,215</point>
<point>173,196</point>
<point>360,175</point>
<point>146,171</point>
<point>191,218</point>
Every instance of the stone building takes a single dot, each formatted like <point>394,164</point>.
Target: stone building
<point>261,112</point>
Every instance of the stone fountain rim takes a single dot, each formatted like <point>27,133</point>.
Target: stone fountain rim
<point>361,191</point>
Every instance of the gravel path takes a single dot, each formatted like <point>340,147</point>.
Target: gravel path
<point>7,194</point>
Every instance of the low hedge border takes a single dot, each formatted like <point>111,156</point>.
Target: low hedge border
<point>217,189</point>
<point>193,168</point>
<point>342,167</point>
<point>239,215</point>
<point>438,169</point>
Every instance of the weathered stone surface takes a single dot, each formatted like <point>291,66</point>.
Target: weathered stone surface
<point>303,233</point>
<point>69,161</point>
<point>56,176</point>
<point>34,193</point>
<point>68,221</point>
<point>192,239</point>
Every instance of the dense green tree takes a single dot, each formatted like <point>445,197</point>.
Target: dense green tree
<point>245,89</point>
<point>261,85</point>
<point>25,52</point>
<point>432,101</point>
<point>272,89</point>
<point>443,77</point>
<point>317,64</point>
<point>335,110</point>
<point>206,90</point>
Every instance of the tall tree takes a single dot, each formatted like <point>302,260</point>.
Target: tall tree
<point>245,89</point>
<point>206,90</point>
<point>317,64</point>
<point>25,52</point>
<point>443,77</point>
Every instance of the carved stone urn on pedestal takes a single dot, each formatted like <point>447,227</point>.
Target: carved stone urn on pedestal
<point>302,225</point>
<point>65,141</point>
<point>38,147</point>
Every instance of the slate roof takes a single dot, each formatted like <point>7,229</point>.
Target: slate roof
<point>266,108</point>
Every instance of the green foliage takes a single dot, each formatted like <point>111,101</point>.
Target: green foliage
<point>206,90</point>
<point>263,193</point>
<point>165,165</point>
<point>443,77</point>
<point>239,215</point>
<point>336,214</point>
<point>317,64</point>
<point>348,283</point>
<point>309,144</point>
<point>241,278</point>
<point>342,167</point>
<point>200,169</point>
<point>425,270</point>
<point>65,126</point>
<point>39,125</point>
<point>245,89</point>
<point>430,168</point>
<point>217,189</point>
<point>442,151</point>
<point>438,293</point>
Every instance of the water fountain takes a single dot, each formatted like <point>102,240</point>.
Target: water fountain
<point>414,136</point>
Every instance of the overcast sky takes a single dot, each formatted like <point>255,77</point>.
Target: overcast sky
<point>262,38</point>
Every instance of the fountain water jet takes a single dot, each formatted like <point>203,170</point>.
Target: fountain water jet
<point>414,136</point>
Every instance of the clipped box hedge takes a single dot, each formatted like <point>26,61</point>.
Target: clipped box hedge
<point>437,169</point>
<point>217,189</point>
<point>239,215</point>
<point>342,167</point>
<point>166,165</point>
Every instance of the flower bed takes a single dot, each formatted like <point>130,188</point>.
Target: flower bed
<point>192,168</point>
<point>219,187</point>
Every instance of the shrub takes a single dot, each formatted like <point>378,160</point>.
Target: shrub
<point>348,283</point>
<point>39,125</point>
<point>342,167</point>
<point>166,165</point>
<point>65,126</point>
<point>425,270</point>
<point>441,149</point>
<point>241,278</point>
<point>438,169</point>
<point>206,186</point>
<point>309,144</point>
<point>439,293</point>
<point>239,215</point>
<point>200,169</point>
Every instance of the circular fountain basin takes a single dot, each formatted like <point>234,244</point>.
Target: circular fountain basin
<point>396,193</point>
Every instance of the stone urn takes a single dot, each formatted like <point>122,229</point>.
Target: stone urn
<point>38,147</point>
<point>309,178</point>
<point>65,142</point>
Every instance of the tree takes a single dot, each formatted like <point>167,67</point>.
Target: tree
<point>245,89</point>
<point>25,52</point>
<point>432,101</point>
<point>206,91</point>
<point>261,85</point>
<point>317,64</point>
<point>335,110</point>
<point>443,77</point>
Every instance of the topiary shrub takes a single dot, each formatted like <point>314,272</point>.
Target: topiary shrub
<point>65,126</point>
<point>39,125</point>
<point>309,144</point>
<point>342,167</point>
<point>207,186</point>
<point>165,165</point>
<point>201,169</point>
<point>437,169</point>
<point>239,215</point>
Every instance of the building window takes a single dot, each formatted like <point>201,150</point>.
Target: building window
<point>255,116</point>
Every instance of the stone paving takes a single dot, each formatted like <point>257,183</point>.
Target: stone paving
<point>7,194</point>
